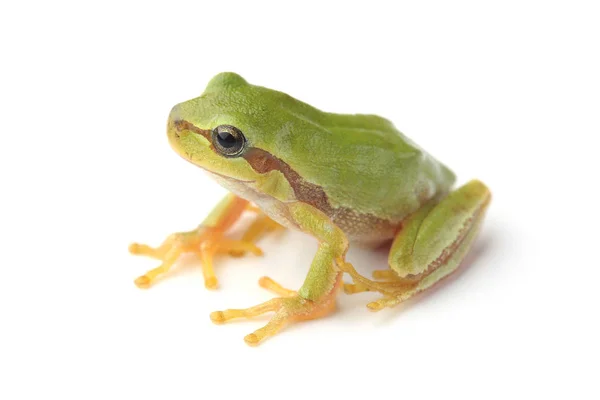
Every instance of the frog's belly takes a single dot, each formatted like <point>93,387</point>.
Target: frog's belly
<point>360,228</point>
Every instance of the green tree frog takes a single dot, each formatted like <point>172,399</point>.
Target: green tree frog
<point>340,178</point>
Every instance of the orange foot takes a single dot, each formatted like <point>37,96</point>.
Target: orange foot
<point>205,242</point>
<point>289,308</point>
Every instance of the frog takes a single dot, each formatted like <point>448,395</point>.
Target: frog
<point>344,179</point>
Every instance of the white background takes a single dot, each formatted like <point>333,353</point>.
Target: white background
<point>508,93</point>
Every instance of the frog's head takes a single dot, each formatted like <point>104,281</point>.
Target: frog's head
<point>228,131</point>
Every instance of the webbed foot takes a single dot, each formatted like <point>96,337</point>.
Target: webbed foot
<point>205,242</point>
<point>289,308</point>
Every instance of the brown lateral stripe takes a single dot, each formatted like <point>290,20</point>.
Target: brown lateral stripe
<point>262,162</point>
<point>182,125</point>
<point>355,224</point>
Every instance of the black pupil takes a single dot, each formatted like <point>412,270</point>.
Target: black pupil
<point>226,139</point>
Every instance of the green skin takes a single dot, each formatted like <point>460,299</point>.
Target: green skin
<point>340,178</point>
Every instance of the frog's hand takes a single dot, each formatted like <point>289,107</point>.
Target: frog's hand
<point>431,244</point>
<point>316,298</point>
<point>206,241</point>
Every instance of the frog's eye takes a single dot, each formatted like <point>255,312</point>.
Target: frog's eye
<point>228,140</point>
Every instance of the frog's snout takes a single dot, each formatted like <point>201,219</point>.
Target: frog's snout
<point>174,121</point>
<point>179,126</point>
<point>175,114</point>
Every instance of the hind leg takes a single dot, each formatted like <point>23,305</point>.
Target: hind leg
<point>433,242</point>
<point>385,275</point>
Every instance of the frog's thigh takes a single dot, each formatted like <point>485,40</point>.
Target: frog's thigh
<point>436,238</point>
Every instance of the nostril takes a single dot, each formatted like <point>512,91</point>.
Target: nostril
<point>174,126</point>
<point>178,126</point>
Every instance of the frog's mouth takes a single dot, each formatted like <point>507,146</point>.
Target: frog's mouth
<point>229,178</point>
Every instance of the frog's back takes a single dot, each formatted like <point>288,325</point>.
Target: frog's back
<point>387,175</point>
<point>363,162</point>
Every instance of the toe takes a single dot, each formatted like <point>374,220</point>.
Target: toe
<point>218,317</point>
<point>350,288</point>
<point>211,283</point>
<point>143,282</point>
<point>375,306</point>
<point>251,340</point>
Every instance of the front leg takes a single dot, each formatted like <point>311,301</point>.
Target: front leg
<point>206,241</point>
<point>316,297</point>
